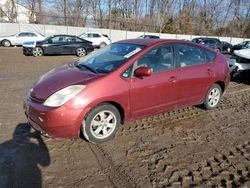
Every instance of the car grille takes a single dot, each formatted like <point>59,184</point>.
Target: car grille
<point>35,99</point>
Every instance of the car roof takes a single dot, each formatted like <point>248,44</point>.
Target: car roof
<point>64,35</point>
<point>149,42</point>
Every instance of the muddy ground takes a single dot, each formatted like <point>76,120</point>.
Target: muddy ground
<point>190,147</point>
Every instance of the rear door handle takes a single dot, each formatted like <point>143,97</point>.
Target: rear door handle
<point>209,71</point>
<point>172,79</point>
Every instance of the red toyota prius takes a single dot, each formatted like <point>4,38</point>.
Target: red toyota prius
<point>127,80</point>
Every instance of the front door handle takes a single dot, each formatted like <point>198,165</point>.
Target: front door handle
<point>172,79</point>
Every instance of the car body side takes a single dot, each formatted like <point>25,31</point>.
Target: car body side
<point>124,96</point>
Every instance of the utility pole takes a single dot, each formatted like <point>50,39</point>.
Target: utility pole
<point>40,10</point>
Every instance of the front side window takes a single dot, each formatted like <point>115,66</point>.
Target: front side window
<point>190,55</point>
<point>58,39</point>
<point>109,58</point>
<point>158,59</point>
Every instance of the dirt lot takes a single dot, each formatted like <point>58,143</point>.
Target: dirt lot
<point>190,147</point>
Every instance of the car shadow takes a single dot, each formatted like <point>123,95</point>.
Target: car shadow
<point>21,157</point>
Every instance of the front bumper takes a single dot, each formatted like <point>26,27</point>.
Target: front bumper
<point>60,122</point>
<point>234,66</point>
<point>27,50</point>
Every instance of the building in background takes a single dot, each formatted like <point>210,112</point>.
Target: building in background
<point>12,11</point>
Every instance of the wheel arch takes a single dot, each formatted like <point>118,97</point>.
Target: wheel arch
<point>115,104</point>
<point>6,40</point>
<point>222,85</point>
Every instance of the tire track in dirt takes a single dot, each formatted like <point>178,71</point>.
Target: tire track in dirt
<point>230,169</point>
<point>116,175</point>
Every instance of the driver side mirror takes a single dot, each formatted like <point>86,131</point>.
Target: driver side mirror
<point>142,71</point>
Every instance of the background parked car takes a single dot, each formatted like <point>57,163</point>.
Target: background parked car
<point>148,37</point>
<point>242,45</point>
<point>239,62</point>
<point>98,40</point>
<point>20,38</point>
<point>210,42</point>
<point>58,44</point>
<point>227,47</point>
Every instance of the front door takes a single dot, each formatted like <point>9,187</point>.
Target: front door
<point>156,93</point>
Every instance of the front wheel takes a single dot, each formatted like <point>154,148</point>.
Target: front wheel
<point>81,52</point>
<point>213,97</point>
<point>6,43</point>
<point>101,123</point>
<point>37,51</point>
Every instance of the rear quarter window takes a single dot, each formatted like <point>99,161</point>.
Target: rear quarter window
<point>210,55</point>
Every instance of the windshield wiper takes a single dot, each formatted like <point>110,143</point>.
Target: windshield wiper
<point>87,67</point>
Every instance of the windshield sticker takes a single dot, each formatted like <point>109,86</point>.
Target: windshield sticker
<point>132,53</point>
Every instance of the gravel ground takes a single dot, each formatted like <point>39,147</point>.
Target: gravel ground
<point>190,147</point>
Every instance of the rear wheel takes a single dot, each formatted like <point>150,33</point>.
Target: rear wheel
<point>81,52</point>
<point>103,44</point>
<point>101,124</point>
<point>6,43</point>
<point>213,97</point>
<point>37,51</point>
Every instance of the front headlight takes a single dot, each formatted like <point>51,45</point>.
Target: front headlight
<point>62,96</point>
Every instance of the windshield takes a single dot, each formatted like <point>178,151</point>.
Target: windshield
<point>110,58</point>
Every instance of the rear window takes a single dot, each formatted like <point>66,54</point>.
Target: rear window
<point>210,55</point>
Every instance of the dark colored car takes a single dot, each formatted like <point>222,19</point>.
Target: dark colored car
<point>148,37</point>
<point>127,80</point>
<point>58,44</point>
<point>242,45</point>
<point>210,42</point>
<point>227,47</point>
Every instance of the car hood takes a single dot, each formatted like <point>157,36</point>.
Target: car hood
<point>244,53</point>
<point>60,78</point>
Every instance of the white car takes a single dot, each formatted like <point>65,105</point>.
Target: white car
<point>98,40</point>
<point>239,62</point>
<point>20,38</point>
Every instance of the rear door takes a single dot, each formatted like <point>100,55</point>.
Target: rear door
<point>155,93</point>
<point>195,74</point>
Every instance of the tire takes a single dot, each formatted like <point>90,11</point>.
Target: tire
<point>213,97</point>
<point>6,43</point>
<point>218,49</point>
<point>101,123</point>
<point>80,52</point>
<point>103,44</point>
<point>37,52</point>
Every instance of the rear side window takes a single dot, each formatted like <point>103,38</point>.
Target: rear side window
<point>210,55</point>
<point>32,35</point>
<point>190,55</point>
<point>96,35</point>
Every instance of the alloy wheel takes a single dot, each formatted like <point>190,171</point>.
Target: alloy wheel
<point>37,52</point>
<point>81,52</point>
<point>103,124</point>
<point>214,97</point>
